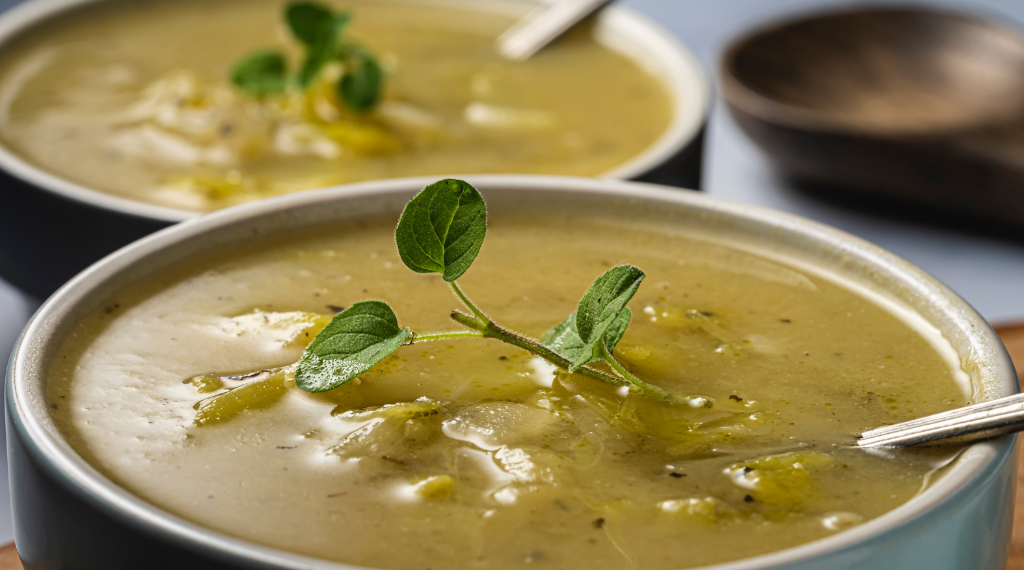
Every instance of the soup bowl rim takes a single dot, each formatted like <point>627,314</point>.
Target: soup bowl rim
<point>684,77</point>
<point>35,427</point>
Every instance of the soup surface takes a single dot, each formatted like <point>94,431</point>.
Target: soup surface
<point>133,98</point>
<point>468,453</point>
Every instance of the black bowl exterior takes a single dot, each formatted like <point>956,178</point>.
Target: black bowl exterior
<point>47,238</point>
<point>683,169</point>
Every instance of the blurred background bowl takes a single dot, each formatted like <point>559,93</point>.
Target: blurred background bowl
<point>913,106</point>
<point>51,228</point>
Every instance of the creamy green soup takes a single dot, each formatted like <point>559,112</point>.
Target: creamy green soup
<point>471,453</point>
<point>134,98</point>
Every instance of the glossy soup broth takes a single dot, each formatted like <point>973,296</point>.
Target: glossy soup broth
<point>469,453</point>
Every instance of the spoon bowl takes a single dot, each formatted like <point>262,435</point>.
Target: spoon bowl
<point>915,104</point>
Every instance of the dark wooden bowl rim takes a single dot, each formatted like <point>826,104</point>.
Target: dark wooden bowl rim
<point>752,102</point>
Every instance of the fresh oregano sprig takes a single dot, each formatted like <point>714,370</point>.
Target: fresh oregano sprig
<point>321,31</point>
<point>441,231</point>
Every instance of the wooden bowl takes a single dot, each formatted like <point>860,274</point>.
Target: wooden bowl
<point>911,104</point>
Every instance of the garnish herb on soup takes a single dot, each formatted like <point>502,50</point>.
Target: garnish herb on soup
<point>200,104</point>
<point>357,76</point>
<point>328,394</point>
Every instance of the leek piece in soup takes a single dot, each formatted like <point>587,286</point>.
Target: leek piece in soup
<point>135,99</point>
<point>470,452</point>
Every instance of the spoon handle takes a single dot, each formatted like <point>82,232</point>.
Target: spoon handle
<point>542,25</point>
<point>962,425</point>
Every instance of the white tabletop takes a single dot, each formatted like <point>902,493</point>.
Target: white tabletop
<point>987,271</point>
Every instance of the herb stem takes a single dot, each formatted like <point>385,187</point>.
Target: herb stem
<point>467,321</point>
<point>417,337</point>
<point>530,345</point>
<point>492,330</point>
<point>469,304</point>
<point>650,389</point>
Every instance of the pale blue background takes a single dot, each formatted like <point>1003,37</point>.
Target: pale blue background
<point>988,272</point>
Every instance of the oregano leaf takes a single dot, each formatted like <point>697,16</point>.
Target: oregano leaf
<point>309,22</point>
<point>564,339</point>
<point>442,228</point>
<point>600,307</point>
<point>261,73</point>
<point>354,341</point>
<point>361,85</point>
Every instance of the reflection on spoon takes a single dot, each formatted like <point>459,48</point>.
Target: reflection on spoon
<point>542,25</point>
<point>962,425</point>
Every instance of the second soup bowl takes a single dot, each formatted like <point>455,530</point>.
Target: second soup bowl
<point>150,132</point>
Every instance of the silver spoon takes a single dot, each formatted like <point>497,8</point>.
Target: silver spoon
<point>962,425</point>
<point>542,25</point>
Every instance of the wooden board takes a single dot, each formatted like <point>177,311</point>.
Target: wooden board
<point>9,558</point>
<point>1013,338</point>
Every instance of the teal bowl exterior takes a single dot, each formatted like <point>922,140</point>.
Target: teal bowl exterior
<point>69,516</point>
